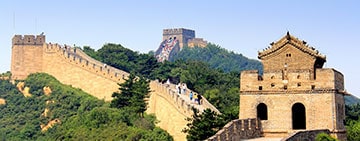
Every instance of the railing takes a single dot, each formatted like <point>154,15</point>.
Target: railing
<point>79,58</point>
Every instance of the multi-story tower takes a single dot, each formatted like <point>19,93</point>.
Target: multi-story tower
<point>294,92</point>
<point>27,53</point>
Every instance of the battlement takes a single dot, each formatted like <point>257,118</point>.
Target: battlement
<point>199,42</point>
<point>238,129</point>
<point>184,37</point>
<point>292,81</point>
<point>73,67</point>
<point>78,58</point>
<point>28,40</point>
<point>177,31</point>
<point>294,92</point>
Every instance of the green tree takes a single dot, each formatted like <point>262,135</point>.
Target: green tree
<point>353,131</point>
<point>133,93</point>
<point>218,58</point>
<point>203,126</point>
<point>324,137</point>
<point>91,52</point>
<point>352,113</point>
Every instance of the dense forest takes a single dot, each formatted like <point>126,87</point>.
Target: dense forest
<point>79,116</point>
<point>218,58</point>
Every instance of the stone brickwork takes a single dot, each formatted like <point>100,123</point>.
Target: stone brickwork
<point>181,34</point>
<point>199,42</point>
<point>186,37</point>
<point>308,135</point>
<point>68,65</point>
<point>294,92</point>
<point>24,61</point>
<point>238,129</point>
<point>171,110</point>
<point>72,66</point>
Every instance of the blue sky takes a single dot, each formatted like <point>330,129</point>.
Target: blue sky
<point>332,27</point>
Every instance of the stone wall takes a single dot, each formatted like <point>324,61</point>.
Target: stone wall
<point>199,42</point>
<point>73,67</point>
<point>238,129</point>
<point>300,80</point>
<point>319,111</point>
<point>293,82</point>
<point>181,34</point>
<point>171,110</point>
<point>322,98</point>
<point>308,135</point>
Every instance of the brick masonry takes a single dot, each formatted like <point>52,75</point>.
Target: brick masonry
<point>293,74</point>
<point>31,54</point>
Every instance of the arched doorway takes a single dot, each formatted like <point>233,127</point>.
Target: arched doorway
<point>262,111</point>
<point>298,116</point>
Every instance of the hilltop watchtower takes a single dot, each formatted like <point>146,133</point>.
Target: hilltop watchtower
<point>26,55</point>
<point>294,92</point>
<point>181,34</point>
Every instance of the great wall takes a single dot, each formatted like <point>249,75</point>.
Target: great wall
<point>174,40</point>
<point>287,63</point>
<point>72,66</point>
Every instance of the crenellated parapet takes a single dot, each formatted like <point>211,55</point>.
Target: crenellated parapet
<point>71,66</point>
<point>78,58</point>
<point>292,81</point>
<point>182,35</point>
<point>197,42</point>
<point>238,129</point>
<point>294,92</point>
<point>166,92</point>
<point>175,31</point>
<point>28,40</point>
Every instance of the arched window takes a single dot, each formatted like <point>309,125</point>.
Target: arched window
<point>262,111</point>
<point>298,116</point>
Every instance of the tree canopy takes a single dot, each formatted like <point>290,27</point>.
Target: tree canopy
<point>204,125</point>
<point>218,58</point>
<point>132,94</point>
<point>218,85</point>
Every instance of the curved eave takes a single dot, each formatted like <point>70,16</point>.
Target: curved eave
<point>301,45</point>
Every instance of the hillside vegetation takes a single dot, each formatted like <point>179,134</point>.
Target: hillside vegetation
<point>218,58</point>
<point>211,71</point>
<point>220,87</point>
<point>79,116</point>
<point>76,114</point>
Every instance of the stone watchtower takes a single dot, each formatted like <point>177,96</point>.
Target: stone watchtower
<point>294,92</point>
<point>27,55</point>
<point>181,34</point>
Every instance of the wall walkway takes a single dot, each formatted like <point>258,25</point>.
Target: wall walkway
<point>73,67</point>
